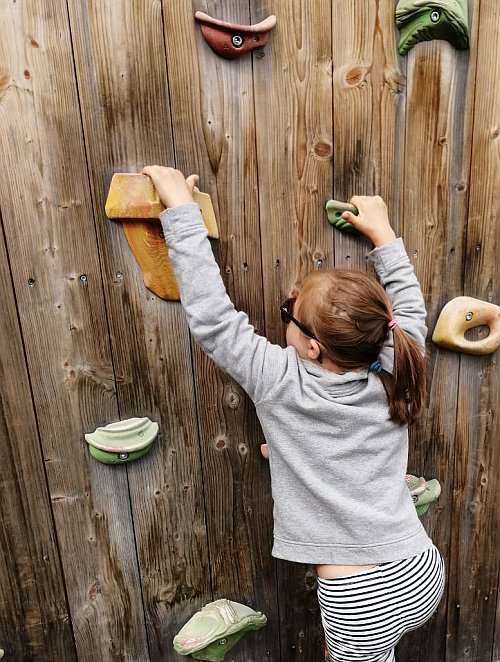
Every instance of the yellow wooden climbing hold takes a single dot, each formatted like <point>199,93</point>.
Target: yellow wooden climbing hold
<point>133,199</point>
<point>462,314</point>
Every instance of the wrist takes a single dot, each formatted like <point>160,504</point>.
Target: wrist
<point>178,202</point>
<point>384,238</point>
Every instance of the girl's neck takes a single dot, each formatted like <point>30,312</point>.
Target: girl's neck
<point>328,364</point>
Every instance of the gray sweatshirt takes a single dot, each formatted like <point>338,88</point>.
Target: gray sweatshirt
<point>338,463</point>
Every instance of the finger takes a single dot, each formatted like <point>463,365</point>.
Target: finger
<point>264,449</point>
<point>151,171</point>
<point>351,218</point>
<point>192,181</point>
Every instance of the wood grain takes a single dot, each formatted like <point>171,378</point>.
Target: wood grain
<point>122,83</point>
<point>368,113</point>
<point>436,166</point>
<point>326,110</point>
<point>472,611</point>
<point>437,155</point>
<point>214,136</point>
<point>293,109</point>
<point>34,615</point>
<point>52,249</point>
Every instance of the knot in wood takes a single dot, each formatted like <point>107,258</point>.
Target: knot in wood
<point>220,443</point>
<point>233,400</point>
<point>355,76</point>
<point>323,150</point>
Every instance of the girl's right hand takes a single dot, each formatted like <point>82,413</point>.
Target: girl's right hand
<point>172,187</point>
<point>372,220</point>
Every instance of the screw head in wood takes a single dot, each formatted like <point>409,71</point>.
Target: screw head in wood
<point>237,40</point>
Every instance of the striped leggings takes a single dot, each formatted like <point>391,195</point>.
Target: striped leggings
<point>365,615</point>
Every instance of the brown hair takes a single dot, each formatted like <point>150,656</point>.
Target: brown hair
<point>349,312</point>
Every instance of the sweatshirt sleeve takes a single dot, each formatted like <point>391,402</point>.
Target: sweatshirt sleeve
<point>225,334</point>
<point>397,275</point>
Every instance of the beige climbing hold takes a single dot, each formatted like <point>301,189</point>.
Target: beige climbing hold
<point>462,314</point>
<point>133,196</point>
<point>133,199</point>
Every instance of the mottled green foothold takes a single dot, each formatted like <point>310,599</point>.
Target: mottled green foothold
<point>334,211</point>
<point>122,441</point>
<point>424,20</point>
<point>214,630</point>
<point>423,492</point>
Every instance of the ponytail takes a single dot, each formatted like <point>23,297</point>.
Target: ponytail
<point>406,386</point>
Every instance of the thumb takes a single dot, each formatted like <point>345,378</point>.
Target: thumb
<point>351,218</point>
<point>192,180</point>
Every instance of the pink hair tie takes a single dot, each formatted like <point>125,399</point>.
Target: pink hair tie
<point>392,324</point>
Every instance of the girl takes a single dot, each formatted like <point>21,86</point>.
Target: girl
<point>334,406</point>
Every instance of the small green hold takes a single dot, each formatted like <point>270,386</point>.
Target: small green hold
<point>423,492</point>
<point>334,211</point>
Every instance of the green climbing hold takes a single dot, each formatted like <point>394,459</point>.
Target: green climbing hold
<point>122,441</point>
<point>423,492</point>
<point>424,20</point>
<point>334,211</point>
<point>214,630</point>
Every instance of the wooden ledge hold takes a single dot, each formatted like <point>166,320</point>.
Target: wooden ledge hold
<point>459,316</point>
<point>133,199</point>
<point>231,40</point>
<point>133,196</point>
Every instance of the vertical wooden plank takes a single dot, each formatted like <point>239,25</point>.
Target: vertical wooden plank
<point>436,183</point>
<point>214,135</point>
<point>120,61</point>
<point>51,242</point>
<point>34,619</point>
<point>472,612</point>
<point>368,103</point>
<point>496,643</point>
<point>293,108</point>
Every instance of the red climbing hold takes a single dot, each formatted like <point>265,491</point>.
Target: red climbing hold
<point>230,40</point>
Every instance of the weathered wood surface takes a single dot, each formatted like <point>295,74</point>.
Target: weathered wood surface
<point>368,112</point>
<point>51,244</point>
<point>473,624</point>
<point>122,83</point>
<point>327,109</point>
<point>34,620</point>
<point>437,156</point>
<point>293,109</point>
<point>212,109</point>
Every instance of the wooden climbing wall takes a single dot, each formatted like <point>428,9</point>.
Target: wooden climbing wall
<point>106,563</point>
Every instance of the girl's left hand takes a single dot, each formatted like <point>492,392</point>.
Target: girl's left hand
<point>172,187</point>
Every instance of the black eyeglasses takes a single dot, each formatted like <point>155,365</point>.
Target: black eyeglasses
<point>287,317</point>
